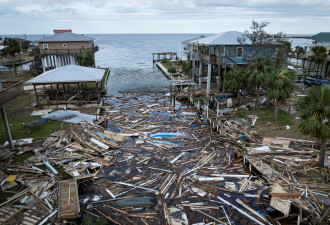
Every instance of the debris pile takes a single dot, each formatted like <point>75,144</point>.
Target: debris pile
<point>147,162</point>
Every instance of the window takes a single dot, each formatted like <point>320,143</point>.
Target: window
<point>239,52</point>
<point>45,47</point>
<point>65,45</point>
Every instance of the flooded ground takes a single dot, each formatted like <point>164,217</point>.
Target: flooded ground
<point>136,80</point>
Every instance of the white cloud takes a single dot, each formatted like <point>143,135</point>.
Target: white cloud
<point>151,16</point>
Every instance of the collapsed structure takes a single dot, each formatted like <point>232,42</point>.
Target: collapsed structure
<point>146,162</point>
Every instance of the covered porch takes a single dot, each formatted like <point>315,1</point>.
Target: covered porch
<point>69,85</point>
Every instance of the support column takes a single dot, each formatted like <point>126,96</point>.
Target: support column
<point>5,122</point>
<point>193,75</point>
<point>200,73</point>
<point>51,61</point>
<point>43,64</point>
<point>224,79</point>
<point>208,86</point>
<point>54,62</point>
<point>57,62</point>
<point>219,78</point>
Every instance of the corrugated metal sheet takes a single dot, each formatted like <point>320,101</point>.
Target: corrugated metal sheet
<point>226,38</point>
<point>67,37</point>
<point>68,74</point>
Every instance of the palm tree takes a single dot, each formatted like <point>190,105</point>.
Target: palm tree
<point>85,59</point>
<point>320,54</point>
<point>299,51</point>
<point>12,47</point>
<point>315,115</point>
<point>280,86</point>
<point>258,71</point>
<point>236,80</point>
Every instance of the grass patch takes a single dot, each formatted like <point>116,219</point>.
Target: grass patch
<point>266,114</point>
<point>19,106</point>
<point>18,131</point>
<point>22,157</point>
<point>171,64</point>
<point>241,113</point>
<point>23,75</point>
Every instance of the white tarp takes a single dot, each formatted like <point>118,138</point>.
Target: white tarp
<point>70,116</point>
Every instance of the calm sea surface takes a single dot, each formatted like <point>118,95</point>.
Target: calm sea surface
<point>129,57</point>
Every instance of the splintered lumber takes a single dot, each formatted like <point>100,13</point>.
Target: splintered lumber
<point>277,202</point>
<point>68,200</point>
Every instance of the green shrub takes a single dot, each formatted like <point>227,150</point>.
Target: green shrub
<point>171,70</point>
<point>165,60</point>
<point>241,113</point>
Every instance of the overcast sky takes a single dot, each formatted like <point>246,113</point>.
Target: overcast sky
<point>162,16</point>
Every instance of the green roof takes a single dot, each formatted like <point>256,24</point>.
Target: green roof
<point>322,36</point>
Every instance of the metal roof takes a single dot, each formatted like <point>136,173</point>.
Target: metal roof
<point>322,36</point>
<point>69,74</point>
<point>226,38</point>
<point>66,36</point>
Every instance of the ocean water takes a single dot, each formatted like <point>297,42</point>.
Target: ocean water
<point>129,57</point>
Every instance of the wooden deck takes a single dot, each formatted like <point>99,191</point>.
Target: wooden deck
<point>68,200</point>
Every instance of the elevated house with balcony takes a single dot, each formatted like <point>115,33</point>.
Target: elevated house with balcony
<point>215,54</point>
<point>60,50</point>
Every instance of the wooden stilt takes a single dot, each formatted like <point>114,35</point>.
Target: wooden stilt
<point>35,92</point>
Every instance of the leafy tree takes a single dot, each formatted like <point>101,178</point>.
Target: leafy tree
<point>171,70</point>
<point>258,72</point>
<point>12,47</point>
<point>280,86</point>
<point>236,80</point>
<point>315,115</point>
<point>25,46</point>
<point>299,51</point>
<point>283,51</point>
<point>320,54</point>
<point>85,59</point>
<point>262,42</point>
<point>186,67</point>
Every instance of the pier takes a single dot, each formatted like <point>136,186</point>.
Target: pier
<point>164,55</point>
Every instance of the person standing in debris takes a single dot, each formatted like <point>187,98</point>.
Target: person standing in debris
<point>211,102</point>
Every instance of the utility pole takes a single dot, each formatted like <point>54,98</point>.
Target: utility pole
<point>5,122</point>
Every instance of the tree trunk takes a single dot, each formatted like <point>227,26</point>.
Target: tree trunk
<point>317,68</point>
<point>238,97</point>
<point>257,97</point>
<point>322,68</point>
<point>14,65</point>
<point>323,142</point>
<point>276,110</point>
<point>310,65</point>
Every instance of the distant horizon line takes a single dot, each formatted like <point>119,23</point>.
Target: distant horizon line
<point>137,33</point>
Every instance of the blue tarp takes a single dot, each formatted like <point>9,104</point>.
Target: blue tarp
<point>36,123</point>
<point>166,135</point>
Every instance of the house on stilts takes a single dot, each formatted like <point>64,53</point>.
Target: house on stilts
<point>60,50</point>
